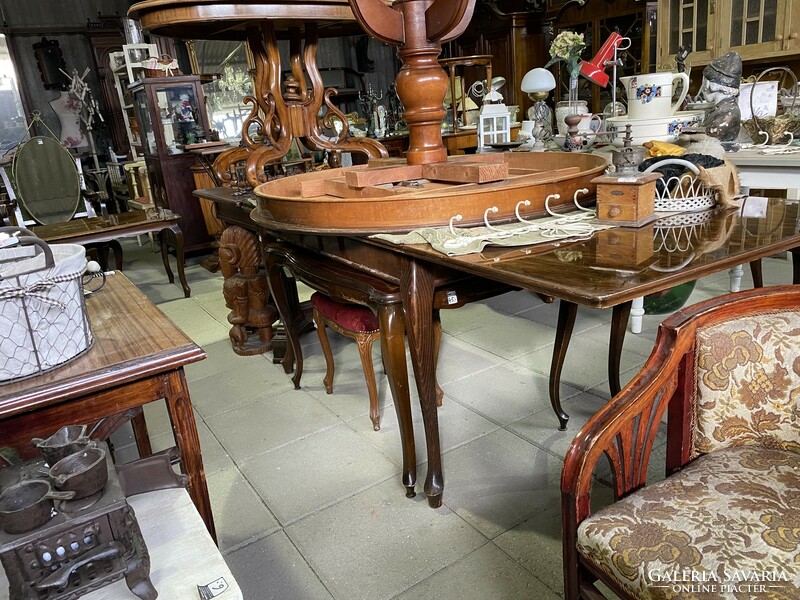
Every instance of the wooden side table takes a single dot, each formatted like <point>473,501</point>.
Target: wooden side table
<point>137,357</point>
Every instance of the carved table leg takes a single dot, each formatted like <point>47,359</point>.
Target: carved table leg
<point>567,312</point>
<point>619,323</point>
<point>393,350</point>
<point>416,287</point>
<point>278,291</point>
<point>755,271</point>
<point>795,266</point>
<point>181,416</point>
<point>177,237</point>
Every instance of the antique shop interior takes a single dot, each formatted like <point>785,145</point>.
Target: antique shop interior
<point>393,299</point>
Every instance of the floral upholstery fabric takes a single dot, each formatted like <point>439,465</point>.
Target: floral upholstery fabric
<point>728,514</point>
<point>748,383</point>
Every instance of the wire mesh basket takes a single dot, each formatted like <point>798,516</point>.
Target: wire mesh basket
<point>43,320</point>
<point>686,193</point>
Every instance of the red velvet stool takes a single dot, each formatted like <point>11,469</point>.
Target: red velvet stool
<point>360,324</point>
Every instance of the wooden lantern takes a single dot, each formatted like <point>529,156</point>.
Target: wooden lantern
<point>626,200</point>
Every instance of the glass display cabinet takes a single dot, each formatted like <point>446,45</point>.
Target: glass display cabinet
<point>171,116</point>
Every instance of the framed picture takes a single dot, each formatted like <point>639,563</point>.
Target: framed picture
<point>135,54</point>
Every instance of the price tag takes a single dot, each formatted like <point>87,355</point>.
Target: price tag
<point>213,589</point>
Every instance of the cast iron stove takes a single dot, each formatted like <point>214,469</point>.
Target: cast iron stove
<point>82,548</point>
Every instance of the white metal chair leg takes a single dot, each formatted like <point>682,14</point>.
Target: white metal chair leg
<point>637,314</point>
<point>736,278</point>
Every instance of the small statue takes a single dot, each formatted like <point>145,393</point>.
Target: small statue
<point>246,292</point>
<point>721,79</point>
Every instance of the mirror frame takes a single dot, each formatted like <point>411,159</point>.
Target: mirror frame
<point>51,62</point>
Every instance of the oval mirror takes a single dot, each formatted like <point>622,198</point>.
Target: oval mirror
<point>46,180</point>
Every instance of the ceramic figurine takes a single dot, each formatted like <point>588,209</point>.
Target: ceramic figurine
<point>721,80</point>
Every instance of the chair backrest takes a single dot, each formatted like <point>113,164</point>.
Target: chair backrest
<point>747,374</point>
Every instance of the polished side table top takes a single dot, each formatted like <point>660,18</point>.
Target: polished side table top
<point>111,227</point>
<point>133,339</point>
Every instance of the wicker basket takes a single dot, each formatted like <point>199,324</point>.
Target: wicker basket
<point>43,321</point>
<point>164,66</point>
<point>688,193</point>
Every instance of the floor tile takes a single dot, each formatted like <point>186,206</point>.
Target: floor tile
<point>541,428</point>
<point>220,358</point>
<point>194,321</point>
<point>469,317</point>
<point>272,569</point>
<point>504,394</point>
<point>586,363</point>
<point>486,573</point>
<point>267,423</point>
<point>214,304</point>
<point>514,302</point>
<point>239,514</point>
<point>304,476</point>
<point>458,359</point>
<point>457,425</point>
<point>499,480</point>
<point>379,543</point>
<point>510,337</point>
<point>215,458</point>
<point>237,386</point>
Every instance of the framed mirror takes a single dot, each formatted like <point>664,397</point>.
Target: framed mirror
<point>46,181</point>
<point>51,63</point>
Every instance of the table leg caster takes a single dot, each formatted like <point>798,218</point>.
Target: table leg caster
<point>435,501</point>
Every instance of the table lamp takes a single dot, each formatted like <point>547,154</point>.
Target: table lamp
<point>595,70</point>
<point>538,83</point>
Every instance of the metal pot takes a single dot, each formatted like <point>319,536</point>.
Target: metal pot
<point>28,505</point>
<point>83,472</point>
<point>67,440</point>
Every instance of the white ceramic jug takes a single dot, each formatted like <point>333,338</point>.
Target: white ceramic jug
<point>650,95</point>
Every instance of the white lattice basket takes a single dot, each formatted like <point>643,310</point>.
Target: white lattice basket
<point>43,321</point>
<point>685,193</point>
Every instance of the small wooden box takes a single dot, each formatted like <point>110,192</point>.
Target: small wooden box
<point>626,200</point>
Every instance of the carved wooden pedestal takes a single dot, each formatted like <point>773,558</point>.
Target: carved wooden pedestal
<point>246,292</point>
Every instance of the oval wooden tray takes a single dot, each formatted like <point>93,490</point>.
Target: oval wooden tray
<point>389,196</point>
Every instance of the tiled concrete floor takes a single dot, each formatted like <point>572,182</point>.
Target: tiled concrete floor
<point>307,497</point>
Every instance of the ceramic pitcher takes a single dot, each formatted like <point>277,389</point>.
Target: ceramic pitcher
<point>650,95</point>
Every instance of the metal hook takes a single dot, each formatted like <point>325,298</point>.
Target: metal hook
<point>547,205</point>
<point>765,142</point>
<point>493,209</point>
<point>519,216</point>
<point>455,218</point>
<point>575,199</point>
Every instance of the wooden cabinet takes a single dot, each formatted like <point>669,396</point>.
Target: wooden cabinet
<point>171,113</point>
<point>514,42</point>
<point>755,29</point>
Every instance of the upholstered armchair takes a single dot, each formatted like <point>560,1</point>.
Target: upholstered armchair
<point>726,374</point>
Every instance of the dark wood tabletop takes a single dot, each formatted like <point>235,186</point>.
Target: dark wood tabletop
<point>102,229</point>
<point>621,264</point>
<point>110,228</point>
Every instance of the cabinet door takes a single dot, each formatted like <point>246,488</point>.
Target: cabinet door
<point>754,28</point>
<point>178,108</point>
<point>686,23</point>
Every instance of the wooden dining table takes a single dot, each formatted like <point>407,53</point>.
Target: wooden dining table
<point>609,270</point>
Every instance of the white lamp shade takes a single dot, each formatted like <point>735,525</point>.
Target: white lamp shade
<point>538,80</point>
